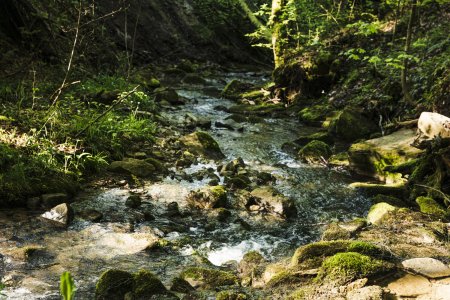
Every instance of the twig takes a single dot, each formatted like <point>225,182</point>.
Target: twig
<point>120,100</point>
<point>69,66</point>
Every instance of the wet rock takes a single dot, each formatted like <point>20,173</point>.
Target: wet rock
<point>219,124</point>
<point>173,210</point>
<point>208,197</point>
<point>148,215</point>
<point>192,122</point>
<point>273,202</point>
<point>160,168</point>
<point>234,89</point>
<point>91,215</point>
<point>322,136</point>
<point>137,167</point>
<point>169,95</point>
<point>61,215</point>
<point>51,200</point>
<point>335,232</point>
<point>351,125</point>
<point>146,285</point>
<point>231,295</point>
<point>201,143</point>
<point>263,178</point>
<point>180,285</point>
<point>428,267</point>
<point>315,152</point>
<point>133,201</point>
<point>373,292</point>
<point>373,189</point>
<point>237,182</point>
<point>222,214</point>
<point>26,253</point>
<point>370,158</point>
<point>203,278</point>
<point>186,160</point>
<point>378,212</point>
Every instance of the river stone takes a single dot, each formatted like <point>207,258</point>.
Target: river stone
<point>137,167</point>
<point>274,202</point>
<point>378,211</point>
<point>410,286</point>
<point>235,88</point>
<point>373,292</point>
<point>51,200</point>
<point>201,143</point>
<point>369,158</point>
<point>204,278</point>
<point>426,266</point>
<point>168,95</point>
<point>208,197</point>
<point>133,201</point>
<point>60,215</point>
<point>113,285</point>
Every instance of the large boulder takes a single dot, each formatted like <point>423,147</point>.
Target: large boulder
<point>315,152</point>
<point>61,215</point>
<point>137,167</point>
<point>168,95</point>
<point>266,199</point>
<point>208,197</point>
<point>369,158</point>
<point>201,143</point>
<point>351,125</point>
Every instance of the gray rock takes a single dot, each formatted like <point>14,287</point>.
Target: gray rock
<point>428,267</point>
<point>273,202</point>
<point>51,200</point>
<point>61,215</point>
<point>133,201</point>
<point>373,292</point>
<point>208,197</point>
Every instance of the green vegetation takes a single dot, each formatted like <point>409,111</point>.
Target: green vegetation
<point>209,278</point>
<point>67,286</point>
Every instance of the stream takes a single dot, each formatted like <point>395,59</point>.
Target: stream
<point>120,240</point>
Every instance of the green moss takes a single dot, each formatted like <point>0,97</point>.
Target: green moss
<point>159,166</point>
<point>283,278</point>
<point>201,143</point>
<point>147,284</point>
<point>113,285</point>
<point>315,151</point>
<point>231,295</point>
<point>311,255</point>
<point>314,115</point>
<point>374,189</point>
<point>429,206</point>
<point>351,265</point>
<point>253,257</point>
<point>181,286</point>
<point>335,232</point>
<point>209,278</point>
<point>258,109</point>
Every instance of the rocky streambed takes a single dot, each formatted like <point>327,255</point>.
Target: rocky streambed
<point>217,210</point>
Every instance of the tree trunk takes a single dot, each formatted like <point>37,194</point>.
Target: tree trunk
<point>404,74</point>
<point>277,5</point>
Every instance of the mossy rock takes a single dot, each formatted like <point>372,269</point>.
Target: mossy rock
<point>208,278</point>
<point>113,285</point>
<point>235,88</point>
<point>334,232</point>
<point>312,255</point>
<point>379,212</point>
<point>250,263</point>
<point>351,125</point>
<point>231,295</point>
<point>201,143</point>
<point>147,284</point>
<point>429,206</point>
<point>314,115</point>
<point>160,168</point>
<point>373,189</point>
<point>258,109</point>
<point>394,201</point>
<point>168,95</point>
<point>208,197</point>
<point>315,152</point>
<point>321,136</point>
<point>348,266</point>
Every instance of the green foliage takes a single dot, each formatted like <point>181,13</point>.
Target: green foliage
<point>67,286</point>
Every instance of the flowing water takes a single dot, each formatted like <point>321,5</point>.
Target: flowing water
<point>120,240</point>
